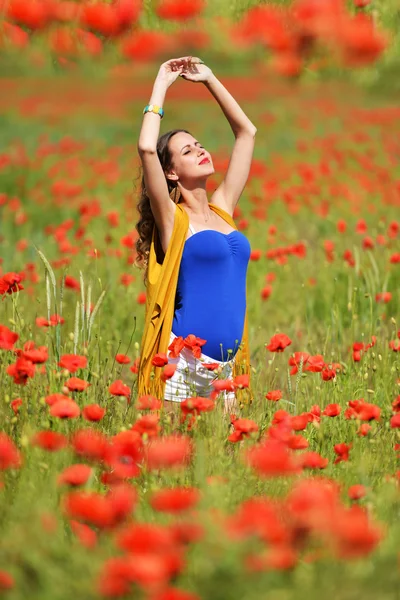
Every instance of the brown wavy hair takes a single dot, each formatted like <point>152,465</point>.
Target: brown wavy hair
<point>146,222</point>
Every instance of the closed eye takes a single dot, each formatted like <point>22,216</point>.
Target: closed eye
<point>187,151</point>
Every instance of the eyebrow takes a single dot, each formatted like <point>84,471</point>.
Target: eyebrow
<point>189,145</point>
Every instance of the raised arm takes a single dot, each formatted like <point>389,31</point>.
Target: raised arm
<point>228,193</point>
<point>162,206</point>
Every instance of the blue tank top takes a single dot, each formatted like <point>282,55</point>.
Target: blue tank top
<point>210,299</point>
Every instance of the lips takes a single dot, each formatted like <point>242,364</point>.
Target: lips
<point>204,161</point>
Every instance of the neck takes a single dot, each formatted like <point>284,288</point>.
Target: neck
<point>196,203</point>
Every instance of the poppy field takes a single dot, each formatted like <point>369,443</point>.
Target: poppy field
<point>104,493</point>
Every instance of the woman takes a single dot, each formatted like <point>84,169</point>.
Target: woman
<point>195,260</point>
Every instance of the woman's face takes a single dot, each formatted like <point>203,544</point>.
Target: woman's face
<point>190,160</point>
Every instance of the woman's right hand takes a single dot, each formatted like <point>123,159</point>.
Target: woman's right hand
<point>171,69</point>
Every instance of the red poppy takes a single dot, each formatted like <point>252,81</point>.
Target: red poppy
<point>354,534</point>
<point>395,421</point>
<point>187,532</point>
<point>125,453</point>
<point>176,346</point>
<point>123,498</point>
<point>72,284</point>
<point>148,402</point>
<point>118,388</point>
<point>223,385</point>
<point>72,362</point>
<point>90,444</point>
<point>148,424</point>
<point>383,297</point>
<point>297,442</point>
<point>364,429</point>
<point>342,451</point>
<point>299,422</point>
<point>7,338</point>
<point>122,359</point>
<point>86,535</point>
<point>35,14</point>
<point>278,342</point>
<point>168,372</point>
<point>35,355</point>
<point>135,367</point>
<point>332,410</point>
<point>89,507</point>
<point>75,475</point>
<point>52,441</point>
<point>361,43</point>
<point>281,416</point>
<point>274,395</point>
<point>65,409</point>
<point>10,283</point>
<point>144,46</point>
<point>54,320</point>
<point>196,405</point>
<point>356,492</point>
<point>16,404</point>
<point>74,384</point>
<point>145,538</point>
<point>272,459</point>
<point>53,398</point>
<point>175,500</point>
<point>160,359</point>
<point>241,381</point>
<point>179,10</point>
<point>328,374</point>
<point>366,411</point>
<point>315,364</point>
<point>195,344</point>
<point>115,578</point>
<point>312,460</point>
<point>168,451</point>
<point>93,412</point>
<point>266,291</point>
<point>295,361</point>
<point>10,456</point>
<point>21,370</point>
<point>6,581</point>
<point>242,429</point>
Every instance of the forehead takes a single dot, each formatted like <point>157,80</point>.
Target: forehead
<point>181,139</point>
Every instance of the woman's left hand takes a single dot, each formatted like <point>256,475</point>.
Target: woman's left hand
<point>196,71</point>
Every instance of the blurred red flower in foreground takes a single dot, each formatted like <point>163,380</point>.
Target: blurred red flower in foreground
<point>174,500</point>
<point>7,338</point>
<point>168,451</point>
<point>52,441</point>
<point>75,475</point>
<point>272,459</point>
<point>10,456</point>
<point>179,10</point>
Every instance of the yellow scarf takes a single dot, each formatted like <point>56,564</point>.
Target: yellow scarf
<point>162,279</point>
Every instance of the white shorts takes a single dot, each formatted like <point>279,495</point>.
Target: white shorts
<point>192,379</point>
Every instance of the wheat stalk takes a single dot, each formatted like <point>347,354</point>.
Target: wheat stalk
<point>94,313</point>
